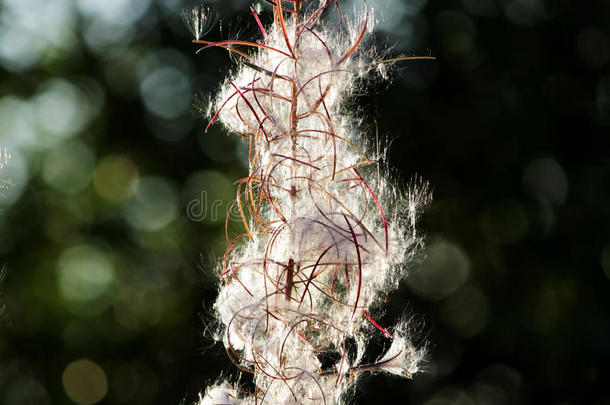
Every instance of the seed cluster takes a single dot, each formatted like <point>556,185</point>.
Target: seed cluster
<point>323,240</point>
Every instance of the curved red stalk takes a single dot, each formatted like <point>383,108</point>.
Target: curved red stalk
<point>296,160</point>
<point>280,16</point>
<point>359,264</point>
<point>219,110</point>
<point>332,283</point>
<point>312,273</point>
<point>223,44</point>
<point>376,324</point>
<point>258,22</point>
<point>358,40</point>
<point>251,109</point>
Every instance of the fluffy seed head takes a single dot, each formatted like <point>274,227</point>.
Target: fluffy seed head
<point>323,240</point>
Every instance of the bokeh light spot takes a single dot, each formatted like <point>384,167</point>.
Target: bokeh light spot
<point>16,53</point>
<point>545,180</point>
<point>116,178</point>
<point>153,206</point>
<point>85,275</point>
<point>113,12</point>
<point>166,92</point>
<point>62,110</point>
<point>69,168</point>
<point>85,382</point>
<point>445,269</point>
<point>504,223</point>
<point>110,21</point>
<point>33,29</point>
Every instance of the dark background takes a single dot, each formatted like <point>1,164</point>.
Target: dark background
<point>109,253</point>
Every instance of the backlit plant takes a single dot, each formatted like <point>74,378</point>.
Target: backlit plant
<point>325,236</point>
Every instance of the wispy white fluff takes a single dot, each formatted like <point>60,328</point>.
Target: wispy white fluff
<point>199,20</point>
<point>323,240</point>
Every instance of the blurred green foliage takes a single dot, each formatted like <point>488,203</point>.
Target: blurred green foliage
<point>112,204</point>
